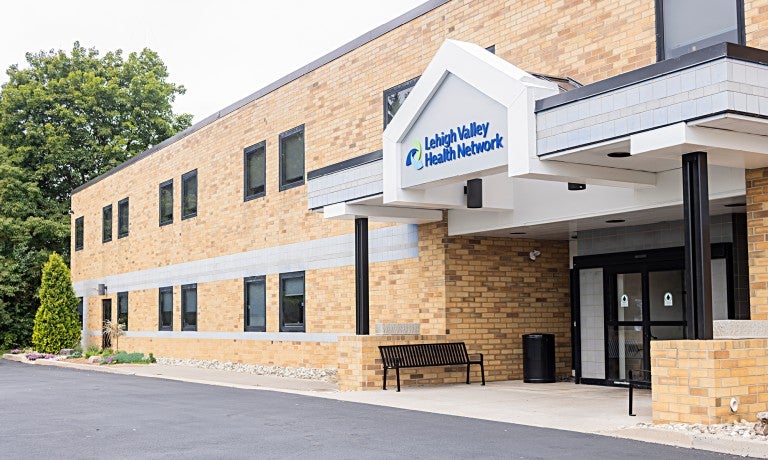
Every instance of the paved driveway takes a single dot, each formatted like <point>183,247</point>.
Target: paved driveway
<point>51,412</point>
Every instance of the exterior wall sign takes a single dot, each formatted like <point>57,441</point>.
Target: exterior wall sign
<point>460,134</point>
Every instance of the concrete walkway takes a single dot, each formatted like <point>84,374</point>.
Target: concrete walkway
<point>565,406</point>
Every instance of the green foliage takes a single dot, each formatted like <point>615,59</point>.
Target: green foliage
<point>92,350</point>
<point>56,322</point>
<point>127,358</point>
<point>65,118</point>
<point>75,355</point>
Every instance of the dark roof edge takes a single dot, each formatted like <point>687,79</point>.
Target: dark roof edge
<point>367,37</point>
<point>704,55</point>
<point>346,164</point>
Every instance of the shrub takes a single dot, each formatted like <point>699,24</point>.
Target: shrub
<point>127,358</point>
<point>75,355</point>
<point>56,323</point>
<point>114,330</point>
<point>92,350</point>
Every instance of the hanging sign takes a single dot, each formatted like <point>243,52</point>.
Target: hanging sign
<point>625,301</point>
<point>668,302</point>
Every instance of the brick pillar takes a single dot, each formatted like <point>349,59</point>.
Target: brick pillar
<point>757,241</point>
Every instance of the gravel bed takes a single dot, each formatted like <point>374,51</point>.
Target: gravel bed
<point>325,375</point>
<point>742,429</point>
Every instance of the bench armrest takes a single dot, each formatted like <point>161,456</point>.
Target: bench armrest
<point>475,357</point>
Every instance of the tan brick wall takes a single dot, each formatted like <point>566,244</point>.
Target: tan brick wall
<point>340,105</point>
<point>757,241</point>
<point>496,293</point>
<point>694,380</point>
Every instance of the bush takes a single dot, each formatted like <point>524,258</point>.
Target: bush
<point>127,358</point>
<point>75,355</point>
<point>92,350</point>
<point>56,322</point>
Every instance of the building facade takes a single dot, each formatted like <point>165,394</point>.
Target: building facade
<point>470,171</point>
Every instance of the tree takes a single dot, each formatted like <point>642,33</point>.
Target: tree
<point>56,321</point>
<point>65,119</point>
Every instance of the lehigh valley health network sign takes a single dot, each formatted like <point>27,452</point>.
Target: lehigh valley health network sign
<point>460,132</point>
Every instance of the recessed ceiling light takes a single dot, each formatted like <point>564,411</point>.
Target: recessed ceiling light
<point>735,205</point>
<point>619,154</point>
<point>517,233</point>
<point>615,221</point>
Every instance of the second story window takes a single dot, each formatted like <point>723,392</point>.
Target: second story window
<point>122,218</point>
<point>79,233</point>
<point>292,158</point>
<point>683,26</point>
<point>106,224</point>
<point>255,170</point>
<point>394,98</point>
<point>189,195</point>
<point>166,202</point>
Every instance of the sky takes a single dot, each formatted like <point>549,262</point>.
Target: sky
<point>221,51</point>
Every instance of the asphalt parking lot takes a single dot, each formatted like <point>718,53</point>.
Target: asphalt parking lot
<point>52,412</point>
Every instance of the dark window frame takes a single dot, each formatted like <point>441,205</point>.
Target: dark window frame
<point>184,178</point>
<point>254,279</point>
<point>303,326</point>
<point>248,151</point>
<point>80,306</point>
<point>296,183</point>
<point>393,90</point>
<point>106,211</point>
<point>168,183</point>
<point>184,325</point>
<point>161,291</point>
<point>79,233</point>
<point>120,204</point>
<point>120,297</point>
<point>659,4</point>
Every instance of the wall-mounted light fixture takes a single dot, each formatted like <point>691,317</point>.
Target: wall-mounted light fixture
<point>102,289</point>
<point>534,254</point>
<point>474,192</point>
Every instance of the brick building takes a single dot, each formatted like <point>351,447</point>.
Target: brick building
<point>473,171</point>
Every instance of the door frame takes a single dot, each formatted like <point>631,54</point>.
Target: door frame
<point>631,262</point>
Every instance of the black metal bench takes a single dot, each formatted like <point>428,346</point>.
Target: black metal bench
<point>637,378</point>
<point>425,355</point>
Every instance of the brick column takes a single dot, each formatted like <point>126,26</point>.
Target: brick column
<point>757,241</point>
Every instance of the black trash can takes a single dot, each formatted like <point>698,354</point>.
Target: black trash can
<point>539,358</point>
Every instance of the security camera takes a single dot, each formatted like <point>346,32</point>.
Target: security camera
<point>534,254</point>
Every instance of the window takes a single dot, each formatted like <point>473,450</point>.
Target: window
<point>189,307</point>
<point>189,195</point>
<point>166,309</point>
<point>255,304</point>
<point>166,202</point>
<point>683,26</point>
<point>292,302</point>
<point>394,98</point>
<point>255,170</point>
<point>122,309</point>
<point>122,218</point>
<point>292,158</point>
<point>80,310</point>
<point>79,233</point>
<point>106,224</point>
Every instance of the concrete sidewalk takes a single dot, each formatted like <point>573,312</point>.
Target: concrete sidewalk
<point>565,406</point>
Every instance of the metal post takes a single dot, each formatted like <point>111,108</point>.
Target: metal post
<point>361,277</point>
<point>698,257</point>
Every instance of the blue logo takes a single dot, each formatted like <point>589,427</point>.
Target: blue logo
<point>415,156</point>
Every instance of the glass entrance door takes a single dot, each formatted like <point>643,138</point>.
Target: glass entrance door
<point>642,305</point>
